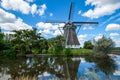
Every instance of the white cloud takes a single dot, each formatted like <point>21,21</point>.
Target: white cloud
<point>82,38</point>
<point>102,8</point>
<point>51,14</point>
<point>57,32</point>
<point>33,9</point>
<point>6,17</point>
<point>17,25</point>
<point>16,5</point>
<point>114,34</point>
<point>87,26</point>
<point>45,31</point>
<point>117,41</point>
<point>23,6</point>
<point>112,27</point>
<point>43,25</point>
<point>8,21</point>
<point>115,37</point>
<point>29,0</point>
<point>79,12</point>
<point>50,26</point>
<point>98,37</point>
<point>42,9</point>
<point>50,29</point>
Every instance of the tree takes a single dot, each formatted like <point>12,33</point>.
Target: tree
<point>88,45</point>
<point>28,41</point>
<point>1,40</point>
<point>103,46</point>
<point>56,44</point>
<point>3,43</point>
<point>5,46</point>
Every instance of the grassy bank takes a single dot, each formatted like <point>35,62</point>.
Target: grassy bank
<point>79,51</point>
<point>82,51</point>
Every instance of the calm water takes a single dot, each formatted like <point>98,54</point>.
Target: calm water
<point>62,68</point>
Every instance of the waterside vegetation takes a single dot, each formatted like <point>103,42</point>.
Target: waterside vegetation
<point>23,42</point>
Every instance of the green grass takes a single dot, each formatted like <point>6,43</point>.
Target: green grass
<point>81,51</point>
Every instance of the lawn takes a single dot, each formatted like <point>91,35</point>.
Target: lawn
<point>81,51</point>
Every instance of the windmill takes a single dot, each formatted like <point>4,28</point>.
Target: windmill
<point>70,35</point>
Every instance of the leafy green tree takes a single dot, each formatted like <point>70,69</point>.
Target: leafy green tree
<point>5,46</point>
<point>103,46</point>
<point>56,44</point>
<point>1,40</point>
<point>67,51</point>
<point>28,41</point>
<point>88,45</point>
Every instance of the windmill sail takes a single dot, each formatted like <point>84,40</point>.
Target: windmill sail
<point>70,35</point>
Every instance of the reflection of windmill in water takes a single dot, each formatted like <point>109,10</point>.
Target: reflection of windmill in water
<point>70,35</point>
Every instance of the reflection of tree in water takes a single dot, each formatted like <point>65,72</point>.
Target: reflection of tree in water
<point>59,66</point>
<point>104,63</point>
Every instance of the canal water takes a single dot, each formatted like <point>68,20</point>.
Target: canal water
<point>62,67</point>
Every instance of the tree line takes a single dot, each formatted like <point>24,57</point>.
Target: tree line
<point>31,42</point>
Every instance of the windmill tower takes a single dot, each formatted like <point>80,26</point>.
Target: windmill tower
<point>70,35</point>
<point>71,40</point>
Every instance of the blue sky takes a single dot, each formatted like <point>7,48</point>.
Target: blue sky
<point>25,14</point>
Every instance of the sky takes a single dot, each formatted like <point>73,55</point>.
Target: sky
<point>28,14</point>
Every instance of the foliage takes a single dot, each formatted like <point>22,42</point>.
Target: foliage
<point>5,46</point>
<point>50,50</point>
<point>44,51</point>
<point>1,40</point>
<point>28,41</point>
<point>103,46</point>
<point>82,51</point>
<point>88,45</point>
<point>67,51</point>
<point>8,52</point>
<point>56,45</point>
<point>35,51</point>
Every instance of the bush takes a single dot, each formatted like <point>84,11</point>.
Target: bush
<point>44,51</point>
<point>103,46</point>
<point>8,52</point>
<point>67,51</point>
<point>50,50</point>
<point>35,51</point>
<point>88,45</point>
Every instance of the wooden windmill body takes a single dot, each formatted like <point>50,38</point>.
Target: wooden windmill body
<point>71,40</point>
<point>70,35</point>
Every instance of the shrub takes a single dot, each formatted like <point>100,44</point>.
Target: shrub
<point>8,52</point>
<point>35,51</point>
<point>103,46</point>
<point>50,50</point>
<point>67,51</point>
<point>88,45</point>
<point>44,51</point>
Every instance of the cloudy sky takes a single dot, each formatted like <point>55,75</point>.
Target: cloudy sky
<point>25,14</point>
